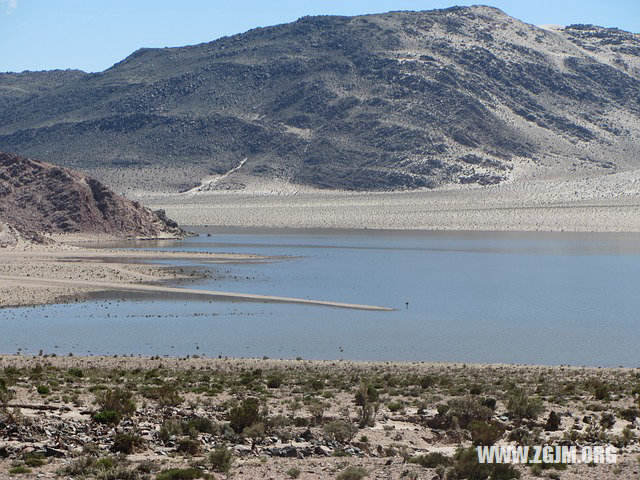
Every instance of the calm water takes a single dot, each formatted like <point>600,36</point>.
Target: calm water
<point>473,297</point>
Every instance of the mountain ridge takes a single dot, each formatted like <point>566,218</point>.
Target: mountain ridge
<point>389,101</point>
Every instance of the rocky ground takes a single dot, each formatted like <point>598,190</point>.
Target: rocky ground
<point>181,418</point>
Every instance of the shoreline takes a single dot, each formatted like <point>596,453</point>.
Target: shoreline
<point>177,362</point>
<point>51,274</point>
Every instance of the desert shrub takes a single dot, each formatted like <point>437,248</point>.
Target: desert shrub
<point>43,390</point>
<point>166,395</point>
<point>630,414</point>
<point>485,433</point>
<point>395,406</point>
<point>34,459</point>
<point>275,380</point>
<point>6,395</point>
<point>601,391</point>
<point>19,470</point>
<point>180,474</point>
<point>431,460</point>
<point>221,459</point>
<point>75,372</point>
<point>367,399</point>
<point>522,406</point>
<point>293,472</point>
<point>553,422</point>
<point>316,409</point>
<point>116,400</point>
<point>427,381</point>
<point>607,420</point>
<point>255,432</point>
<point>244,414</point>
<point>107,417</point>
<point>188,446</point>
<point>316,384</point>
<point>341,431</point>
<point>170,428</point>
<point>367,393</point>
<point>475,389</point>
<point>200,424</point>
<point>79,467</point>
<point>126,443</point>
<point>468,409</point>
<point>466,466</point>
<point>352,473</point>
<point>490,403</point>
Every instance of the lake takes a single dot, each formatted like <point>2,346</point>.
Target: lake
<point>543,298</point>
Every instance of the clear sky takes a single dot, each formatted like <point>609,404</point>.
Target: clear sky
<point>94,34</point>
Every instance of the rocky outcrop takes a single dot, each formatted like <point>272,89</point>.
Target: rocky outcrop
<point>40,198</point>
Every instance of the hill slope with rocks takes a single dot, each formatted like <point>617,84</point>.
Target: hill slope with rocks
<point>466,95</point>
<point>40,198</point>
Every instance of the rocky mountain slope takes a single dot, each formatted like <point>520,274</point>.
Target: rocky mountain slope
<point>376,102</point>
<point>40,198</point>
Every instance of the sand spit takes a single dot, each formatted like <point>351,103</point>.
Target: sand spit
<point>110,286</point>
<point>51,274</point>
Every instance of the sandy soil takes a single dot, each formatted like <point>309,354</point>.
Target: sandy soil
<point>586,204</point>
<point>32,275</point>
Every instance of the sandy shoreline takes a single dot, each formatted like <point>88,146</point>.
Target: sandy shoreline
<point>36,275</point>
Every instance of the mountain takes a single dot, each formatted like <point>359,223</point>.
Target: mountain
<point>40,198</point>
<point>465,95</point>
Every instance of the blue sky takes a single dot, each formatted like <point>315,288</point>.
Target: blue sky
<point>94,34</point>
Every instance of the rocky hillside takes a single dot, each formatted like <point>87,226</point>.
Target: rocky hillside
<point>376,102</point>
<point>39,198</point>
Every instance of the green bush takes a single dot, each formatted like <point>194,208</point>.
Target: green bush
<point>126,443</point>
<point>20,470</point>
<point>221,459</point>
<point>601,390</point>
<point>188,446</point>
<point>431,460</point>
<point>341,431</point>
<point>180,474</point>
<point>43,389</point>
<point>107,417</point>
<point>352,473</point>
<point>293,472</point>
<point>200,424</point>
<point>468,409</point>
<point>485,433</point>
<point>34,459</point>
<point>275,380</point>
<point>522,406</point>
<point>245,414</point>
<point>116,400</point>
<point>466,466</point>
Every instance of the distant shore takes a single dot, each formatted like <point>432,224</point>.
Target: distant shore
<point>607,203</point>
